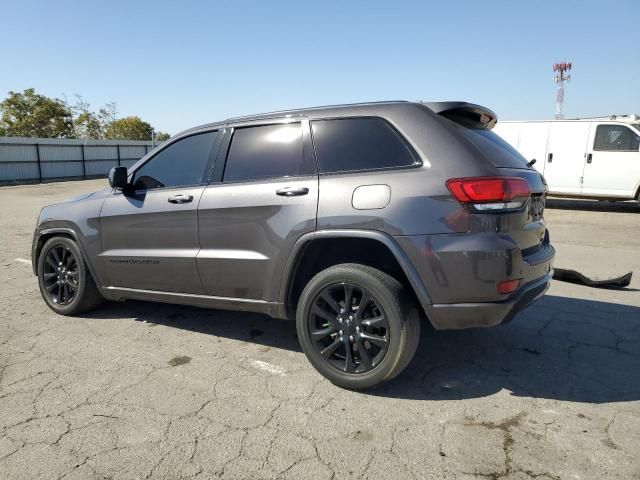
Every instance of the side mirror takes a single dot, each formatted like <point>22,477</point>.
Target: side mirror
<point>118,178</point>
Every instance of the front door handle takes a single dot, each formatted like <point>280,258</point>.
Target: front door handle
<point>180,198</point>
<point>292,191</point>
<point>589,157</point>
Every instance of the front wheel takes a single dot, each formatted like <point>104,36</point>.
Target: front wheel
<point>357,325</point>
<point>65,282</point>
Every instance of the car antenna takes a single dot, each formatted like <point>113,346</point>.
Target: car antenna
<point>531,163</point>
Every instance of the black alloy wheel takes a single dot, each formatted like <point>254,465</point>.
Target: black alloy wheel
<point>60,275</point>
<point>357,325</point>
<point>348,328</point>
<point>65,282</point>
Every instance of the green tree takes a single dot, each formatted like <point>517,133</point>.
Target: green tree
<point>129,128</point>
<point>88,124</point>
<point>107,114</point>
<point>29,114</point>
<point>162,137</point>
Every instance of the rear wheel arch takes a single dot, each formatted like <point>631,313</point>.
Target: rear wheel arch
<point>305,261</point>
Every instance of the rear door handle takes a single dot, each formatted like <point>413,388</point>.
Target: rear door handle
<point>550,158</point>
<point>180,198</point>
<point>292,191</point>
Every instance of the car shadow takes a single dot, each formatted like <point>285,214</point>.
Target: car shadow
<point>234,325</point>
<point>560,348</point>
<point>592,205</point>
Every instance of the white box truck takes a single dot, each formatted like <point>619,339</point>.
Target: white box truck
<point>591,158</point>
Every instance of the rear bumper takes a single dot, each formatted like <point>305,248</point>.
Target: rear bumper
<point>461,273</point>
<point>457,316</point>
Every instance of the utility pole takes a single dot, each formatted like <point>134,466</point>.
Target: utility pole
<point>561,70</point>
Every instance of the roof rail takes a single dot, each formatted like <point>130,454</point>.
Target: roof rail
<point>296,111</point>
<point>630,116</point>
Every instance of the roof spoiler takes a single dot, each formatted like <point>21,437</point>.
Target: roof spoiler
<point>467,114</point>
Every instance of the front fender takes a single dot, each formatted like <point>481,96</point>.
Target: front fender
<point>42,234</point>
<point>79,220</point>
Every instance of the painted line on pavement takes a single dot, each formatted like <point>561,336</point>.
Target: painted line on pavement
<point>268,367</point>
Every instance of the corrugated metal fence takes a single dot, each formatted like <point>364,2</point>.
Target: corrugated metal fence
<point>35,160</point>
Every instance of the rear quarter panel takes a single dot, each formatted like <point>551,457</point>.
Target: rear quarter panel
<point>410,211</point>
<point>420,202</point>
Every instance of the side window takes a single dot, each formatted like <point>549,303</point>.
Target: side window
<point>616,138</point>
<point>182,163</point>
<point>264,152</point>
<point>358,144</point>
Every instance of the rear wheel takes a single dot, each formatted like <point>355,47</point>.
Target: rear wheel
<point>357,326</point>
<point>65,282</point>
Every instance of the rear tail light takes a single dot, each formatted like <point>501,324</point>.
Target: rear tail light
<point>508,286</point>
<point>490,193</point>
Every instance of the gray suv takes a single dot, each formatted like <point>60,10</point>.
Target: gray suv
<point>355,220</point>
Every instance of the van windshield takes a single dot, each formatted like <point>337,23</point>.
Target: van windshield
<point>498,151</point>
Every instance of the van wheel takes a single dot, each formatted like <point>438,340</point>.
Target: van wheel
<point>65,282</point>
<point>357,325</point>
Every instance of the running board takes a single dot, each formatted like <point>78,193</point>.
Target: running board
<point>273,309</point>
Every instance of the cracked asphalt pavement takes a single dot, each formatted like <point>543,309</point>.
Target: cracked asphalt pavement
<point>143,390</point>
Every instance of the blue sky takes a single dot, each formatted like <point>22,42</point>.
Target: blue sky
<point>178,64</point>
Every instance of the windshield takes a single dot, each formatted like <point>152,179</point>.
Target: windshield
<point>497,150</point>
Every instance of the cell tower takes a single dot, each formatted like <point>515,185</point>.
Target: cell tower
<point>561,70</point>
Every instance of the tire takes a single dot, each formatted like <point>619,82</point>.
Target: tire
<point>322,322</point>
<point>69,289</point>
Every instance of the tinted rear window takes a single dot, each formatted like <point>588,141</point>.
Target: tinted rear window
<point>265,152</point>
<point>349,144</point>
<point>498,151</point>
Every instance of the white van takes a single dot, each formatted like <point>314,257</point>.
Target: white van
<point>593,158</point>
